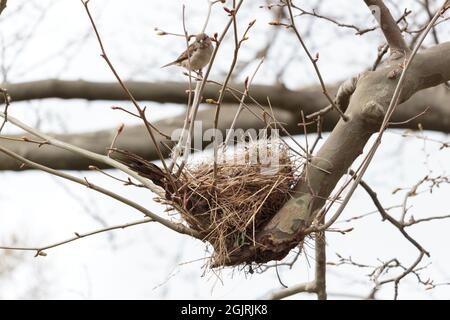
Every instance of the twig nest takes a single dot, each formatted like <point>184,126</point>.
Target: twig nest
<point>231,202</point>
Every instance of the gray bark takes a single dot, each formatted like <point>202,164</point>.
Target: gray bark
<point>287,105</point>
<point>366,111</point>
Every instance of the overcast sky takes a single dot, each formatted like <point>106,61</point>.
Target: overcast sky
<point>53,39</point>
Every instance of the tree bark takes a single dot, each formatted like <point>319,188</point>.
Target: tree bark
<point>131,139</point>
<point>163,92</point>
<point>288,105</point>
<point>366,111</point>
<point>2,5</point>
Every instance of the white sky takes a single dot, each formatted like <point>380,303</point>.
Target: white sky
<point>148,261</point>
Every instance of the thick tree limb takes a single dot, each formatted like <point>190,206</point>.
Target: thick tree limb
<point>163,92</point>
<point>309,99</point>
<point>388,25</point>
<point>130,139</point>
<point>366,110</point>
<point>437,118</point>
<point>2,5</point>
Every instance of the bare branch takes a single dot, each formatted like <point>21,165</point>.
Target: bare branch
<point>398,278</point>
<point>308,287</point>
<point>237,43</point>
<point>414,221</point>
<point>248,83</point>
<point>313,61</point>
<point>388,25</point>
<point>200,87</point>
<point>309,99</point>
<point>385,216</point>
<point>2,5</point>
<point>321,265</point>
<point>6,100</point>
<point>140,110</point>
<point>394,101</point>
<point>174,226</point>
<point>88,154</point>
<point>40,251</point>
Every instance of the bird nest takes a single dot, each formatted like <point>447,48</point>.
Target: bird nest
<point>229,205</point>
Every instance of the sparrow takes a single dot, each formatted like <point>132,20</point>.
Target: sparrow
<point>200,52</point>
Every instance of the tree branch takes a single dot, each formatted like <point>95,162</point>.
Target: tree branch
<point>313,61</point>
<point>386,216</point>
<point>309,287</point>
<point>388,25</point>
<point>154,217</point>
<point>310,100</point>
<point>2,5</point>
<point>321,266</point>
<point>367,108</point>
<point>40,251</point>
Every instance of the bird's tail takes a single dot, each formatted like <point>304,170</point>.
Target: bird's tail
<point>140,165</point>
<point>169,64</point>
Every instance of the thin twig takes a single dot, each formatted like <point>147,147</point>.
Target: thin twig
<point>171,225</point>
<point>140,110</point>
<point>127,182</point>
<point>308,287</point>
<point>113,142</point>
<point>393,103</point>
<point>86,153</point>
<point>40,251</point>
<point>237,46</point>
<point>313,61</point>
<point>385,216</point>
<point>200,87</point>
<point>248,83</point>
<point>6,100</point>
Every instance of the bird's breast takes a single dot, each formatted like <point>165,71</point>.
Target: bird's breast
<point>199,58</point>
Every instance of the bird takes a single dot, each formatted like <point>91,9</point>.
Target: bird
<point>200,52</point>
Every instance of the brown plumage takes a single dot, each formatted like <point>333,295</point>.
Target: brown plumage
<point>141,166</point>
<point>200,52</point>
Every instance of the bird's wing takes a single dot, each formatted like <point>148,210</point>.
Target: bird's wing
<point>192,48</point>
